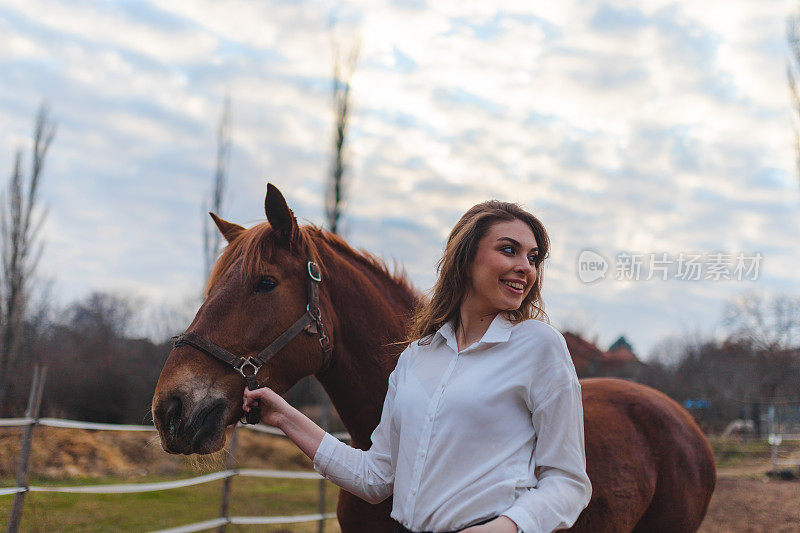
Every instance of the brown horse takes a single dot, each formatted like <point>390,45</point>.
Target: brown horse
<point>650,465</point>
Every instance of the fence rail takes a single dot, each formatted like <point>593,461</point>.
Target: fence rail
<point>31,420</point>
<point>96,426</point>
<point>247,521</point>
<point>123,488</point>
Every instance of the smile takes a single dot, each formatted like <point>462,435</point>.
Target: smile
<point>517,286</point>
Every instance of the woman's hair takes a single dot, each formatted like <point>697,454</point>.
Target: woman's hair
<point>455,265</point>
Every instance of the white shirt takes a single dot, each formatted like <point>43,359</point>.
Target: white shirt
<point>494,429</point>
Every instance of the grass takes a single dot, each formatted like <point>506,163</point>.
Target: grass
<point>733,452</point>
<point>147,511</point>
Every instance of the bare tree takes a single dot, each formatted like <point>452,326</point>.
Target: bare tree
<point>771,324</point>
<point>671,350</point>
<point>161,319</point>
<point>343,68</point>
<point>792,73</point>
<point>108,314</point>
<point>20,245</point>
<point>211,237</point>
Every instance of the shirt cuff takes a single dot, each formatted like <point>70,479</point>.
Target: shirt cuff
<point>324,454</point>
<point>525,522</point>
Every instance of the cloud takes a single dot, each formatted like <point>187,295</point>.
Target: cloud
<point>655,126</point>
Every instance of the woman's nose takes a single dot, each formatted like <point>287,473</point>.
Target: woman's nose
<point>524,267</point>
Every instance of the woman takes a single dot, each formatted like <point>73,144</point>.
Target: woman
<point>482,425</point>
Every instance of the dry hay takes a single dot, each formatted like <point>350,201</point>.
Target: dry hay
<point>257,450</point>
<point>65,452</point>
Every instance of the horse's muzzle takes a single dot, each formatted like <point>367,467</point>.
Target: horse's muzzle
<point>200,430</point>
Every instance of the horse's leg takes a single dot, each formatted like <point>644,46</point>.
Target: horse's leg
<point>357,516</point>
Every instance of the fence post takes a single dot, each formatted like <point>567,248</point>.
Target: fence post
<point>230,462</point>
<point>32,411</point>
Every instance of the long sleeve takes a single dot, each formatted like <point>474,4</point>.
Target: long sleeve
<point>367,474</point>
<point>563,489</point>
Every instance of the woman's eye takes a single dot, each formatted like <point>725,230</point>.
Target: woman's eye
<point>533,258</point>
<point>264,285</point>
<point>507,249</point>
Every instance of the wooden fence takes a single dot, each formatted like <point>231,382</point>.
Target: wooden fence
<point>31,420</point>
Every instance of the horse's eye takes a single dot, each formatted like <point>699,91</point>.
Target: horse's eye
<point>264,285</point>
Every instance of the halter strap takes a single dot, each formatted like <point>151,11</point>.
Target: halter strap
<point>248,367</point>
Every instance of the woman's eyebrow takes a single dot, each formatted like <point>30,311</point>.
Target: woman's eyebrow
<point>516,243</point>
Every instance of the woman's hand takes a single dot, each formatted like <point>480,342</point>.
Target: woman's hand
<point>501,524</point>
<point>273,407</point>
<point>275,411</point>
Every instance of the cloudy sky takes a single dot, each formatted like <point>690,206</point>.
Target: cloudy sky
<point>643,127</point>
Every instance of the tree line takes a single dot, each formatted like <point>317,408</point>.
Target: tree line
<point>101,370</point>
<point>755,366</point>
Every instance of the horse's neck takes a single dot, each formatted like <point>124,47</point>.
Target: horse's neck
<point>369,314</point>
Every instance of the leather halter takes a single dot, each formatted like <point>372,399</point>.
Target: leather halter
<point>248,367</point>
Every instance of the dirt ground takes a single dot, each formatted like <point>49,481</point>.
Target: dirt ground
<point>745,500</point>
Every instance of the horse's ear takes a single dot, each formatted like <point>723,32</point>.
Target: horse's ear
<point>229,230</point>
<point>280,217</point>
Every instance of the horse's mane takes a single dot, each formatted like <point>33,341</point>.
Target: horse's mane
<point>255,247</point>
<point>396,276</point>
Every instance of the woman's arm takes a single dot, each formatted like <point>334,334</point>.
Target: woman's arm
<point>501,524</point>
<point>367,474</point>
<point>563,489</point>
<point>277,412</point>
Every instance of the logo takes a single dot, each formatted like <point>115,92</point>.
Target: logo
<point>591,266</point>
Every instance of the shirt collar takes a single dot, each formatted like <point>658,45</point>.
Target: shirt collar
<point>499,331</point>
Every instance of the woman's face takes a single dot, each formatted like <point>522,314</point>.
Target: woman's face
<point>503,270</point>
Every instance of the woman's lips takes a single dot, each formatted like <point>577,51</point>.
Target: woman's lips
<point>517,287</point>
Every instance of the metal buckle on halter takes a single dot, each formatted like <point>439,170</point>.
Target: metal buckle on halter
<point>324,343</point>
<point>316,316</point>
<point>245,363</point>
<point>313,267</point>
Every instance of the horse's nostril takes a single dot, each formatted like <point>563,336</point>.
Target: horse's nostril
<point>208,422</point>
<point>175,405</point>
<point>172,414</point>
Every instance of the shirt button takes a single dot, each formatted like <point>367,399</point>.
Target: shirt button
<point>413,491</point>
<point>430,417</point>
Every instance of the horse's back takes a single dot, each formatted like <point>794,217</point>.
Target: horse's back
<point>660,461</point>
